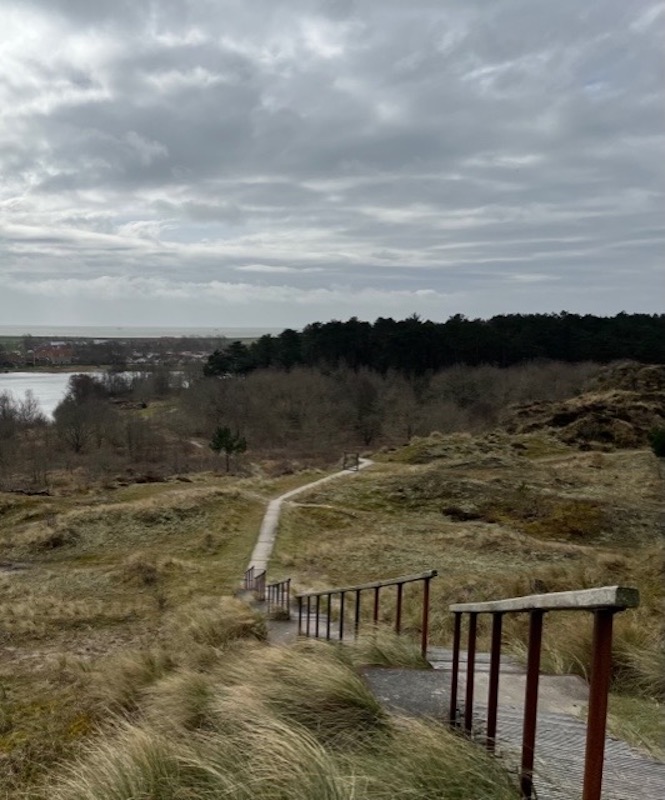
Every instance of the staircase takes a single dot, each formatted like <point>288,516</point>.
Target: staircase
<point>561,731</point>
<point>543,737</point>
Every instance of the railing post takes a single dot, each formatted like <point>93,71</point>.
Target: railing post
<point>531,703</point>
<point>317,608</point>
<point>375,613</point>
<point>309,614</point>
<point>328,613</point>
<point>341,616</point>
<point>454,679</point>
<point>299,616</point>
<point>470,672</point>
<point>287,589</point>
<point>424,633</point>
<point>356,620</point>
<point>601,665</point>
<point>260,586</point>
<point>398,610</point>
<point>493,692</point>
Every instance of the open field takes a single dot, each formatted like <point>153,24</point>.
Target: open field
<point>85,575</point>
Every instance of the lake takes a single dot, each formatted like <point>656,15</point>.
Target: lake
<point>48,387</point>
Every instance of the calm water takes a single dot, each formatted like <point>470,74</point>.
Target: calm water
<point>118,332</point>
<point>48,387</point>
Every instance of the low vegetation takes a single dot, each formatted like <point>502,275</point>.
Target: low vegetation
<point>121,661</point>
<point>657,441</point>
<point>215,712</point>
<point>90,575</point>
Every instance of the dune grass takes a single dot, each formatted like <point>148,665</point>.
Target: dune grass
<point>100,572</point>
<point>272,722</point>
<point>638,720</point>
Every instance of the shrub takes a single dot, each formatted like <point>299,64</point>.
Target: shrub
<point>657,441</point>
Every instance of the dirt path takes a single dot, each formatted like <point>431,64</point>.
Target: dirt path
<point>268,531</point>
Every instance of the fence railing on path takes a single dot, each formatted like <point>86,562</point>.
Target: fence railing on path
<point>255,582</point>
<point>604,603</point>
<point>278,596</point>
<point>319,608</point>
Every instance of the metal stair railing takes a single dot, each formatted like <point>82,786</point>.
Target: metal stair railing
<point>311,603</point>
<point>604,602</point>
<point>255,582</point>
<point>278,596</point>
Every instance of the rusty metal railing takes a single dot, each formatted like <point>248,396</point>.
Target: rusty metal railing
<point>255,582</point>
<point>278,596</point>
<point>604,603</point>
<point>310,605</point>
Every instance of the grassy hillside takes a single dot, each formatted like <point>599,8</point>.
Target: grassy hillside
<point>119,658</point>
<point>88,574</point>
<point>499,516</point>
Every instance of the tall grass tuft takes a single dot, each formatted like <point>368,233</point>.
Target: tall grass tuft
<point>383,648</point>
<point>134,763</point>
<point>277,723</point>
<point>118,683</point>
<point>429,761</point>
<point>215,622</point>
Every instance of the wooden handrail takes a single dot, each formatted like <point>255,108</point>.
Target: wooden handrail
<point>279,594</point>
<point>255,582</point>
<point>616,597</point>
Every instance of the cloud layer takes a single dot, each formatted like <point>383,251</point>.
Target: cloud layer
<point>199,162</point>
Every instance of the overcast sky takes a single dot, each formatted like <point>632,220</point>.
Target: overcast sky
<point>276,162</point>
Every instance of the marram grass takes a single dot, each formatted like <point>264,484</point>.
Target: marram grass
<point>276,723</point>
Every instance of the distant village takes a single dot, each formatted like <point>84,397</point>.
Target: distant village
<point>32,352</point>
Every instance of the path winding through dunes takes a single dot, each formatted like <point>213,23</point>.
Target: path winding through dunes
<point>629,773</point>
<point>268,531</point>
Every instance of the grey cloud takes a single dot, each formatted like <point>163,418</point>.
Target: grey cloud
<point>509,150</point>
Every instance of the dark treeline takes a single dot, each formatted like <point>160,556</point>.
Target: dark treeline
<point>414,347</point>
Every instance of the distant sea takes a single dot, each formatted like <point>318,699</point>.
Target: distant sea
<point>130,332</point>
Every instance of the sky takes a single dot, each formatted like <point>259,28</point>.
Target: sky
<point>277,162</point>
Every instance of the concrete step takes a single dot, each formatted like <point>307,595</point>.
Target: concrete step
<point>560,735</point>
<point>561,730</point>
<point>442,658</point>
